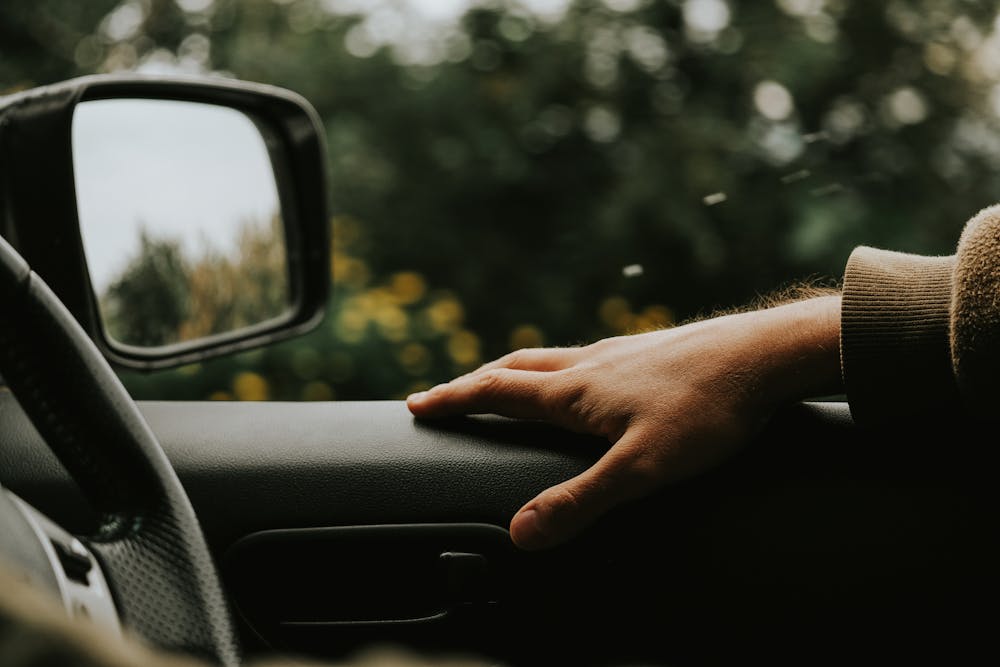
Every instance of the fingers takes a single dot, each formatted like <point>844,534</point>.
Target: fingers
<point>535,359</point>
<point>502,391</point>
<point>560,512</point>
<point>497,387</point>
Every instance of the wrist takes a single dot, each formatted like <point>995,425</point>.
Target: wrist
<point>798,349</point>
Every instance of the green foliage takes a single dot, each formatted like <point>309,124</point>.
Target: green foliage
<point>554,181</point>
<point>148,303</point>
<point>168,295</point>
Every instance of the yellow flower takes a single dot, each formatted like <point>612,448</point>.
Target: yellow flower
<point>249,386</point>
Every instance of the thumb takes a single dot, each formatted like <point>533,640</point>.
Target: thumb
<point>560,512</point>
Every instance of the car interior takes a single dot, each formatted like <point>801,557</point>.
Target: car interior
<point>240,530</point>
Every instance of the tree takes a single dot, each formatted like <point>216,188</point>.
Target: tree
<point>518,165</point>
<point>147,304</point>
<point>168,295</point>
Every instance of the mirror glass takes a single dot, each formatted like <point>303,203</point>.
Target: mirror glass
<point>180,219</point>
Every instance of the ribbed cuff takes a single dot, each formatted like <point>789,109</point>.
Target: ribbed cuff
<point>895,350</point>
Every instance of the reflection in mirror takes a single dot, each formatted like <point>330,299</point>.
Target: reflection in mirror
<point>180,218</point>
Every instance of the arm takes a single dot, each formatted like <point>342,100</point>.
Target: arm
<point>911,336</point>
<point>671,403</point>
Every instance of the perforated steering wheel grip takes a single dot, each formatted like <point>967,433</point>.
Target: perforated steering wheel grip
<point>149,542</point>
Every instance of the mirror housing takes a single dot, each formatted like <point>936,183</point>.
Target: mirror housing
<point>39,213</point>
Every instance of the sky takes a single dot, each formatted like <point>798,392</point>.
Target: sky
<point>187,171</point>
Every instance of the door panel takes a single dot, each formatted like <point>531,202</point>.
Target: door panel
<point>818,536</point>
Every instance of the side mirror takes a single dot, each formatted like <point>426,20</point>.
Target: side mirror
<point>178,219</point>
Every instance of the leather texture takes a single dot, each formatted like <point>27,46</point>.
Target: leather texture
<point>257,466</point>
<point>148,537</point>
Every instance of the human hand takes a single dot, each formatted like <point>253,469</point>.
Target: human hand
<point>672,403</point>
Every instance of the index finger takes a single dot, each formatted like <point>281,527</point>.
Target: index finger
<point>502,391</point>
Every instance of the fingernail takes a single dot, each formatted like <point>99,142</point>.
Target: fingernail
<point>416,397</point>
<point>526,530</point>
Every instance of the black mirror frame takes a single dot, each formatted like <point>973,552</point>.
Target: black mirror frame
<point>38,203</point>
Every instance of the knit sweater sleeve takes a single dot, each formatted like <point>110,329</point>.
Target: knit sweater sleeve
<point>920,336</point>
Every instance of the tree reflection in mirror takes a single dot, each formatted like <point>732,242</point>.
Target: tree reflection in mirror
<point>180,218</point>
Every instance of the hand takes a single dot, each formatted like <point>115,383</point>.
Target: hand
<point>672,403</point>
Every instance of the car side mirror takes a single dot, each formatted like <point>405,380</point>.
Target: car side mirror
<point>178,219</point>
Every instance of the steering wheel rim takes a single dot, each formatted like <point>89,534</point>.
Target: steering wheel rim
<point>149,542</point>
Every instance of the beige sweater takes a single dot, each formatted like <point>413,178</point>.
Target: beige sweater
<point>919,335</point>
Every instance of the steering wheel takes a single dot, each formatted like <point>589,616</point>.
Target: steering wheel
<point>149,543</point>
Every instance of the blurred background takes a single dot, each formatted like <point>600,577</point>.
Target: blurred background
<point>509,174</point>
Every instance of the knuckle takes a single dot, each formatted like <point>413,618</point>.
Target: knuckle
<point>562,499</point>
<point>515,359</point>
<point>548,396</point>
<point>569,397</point>
<point>598,345</point>
<point>490,382</point>
<point>568,393</point>
<point>602,345</point>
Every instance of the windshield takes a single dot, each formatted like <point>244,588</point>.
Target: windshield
<point>548,172</point>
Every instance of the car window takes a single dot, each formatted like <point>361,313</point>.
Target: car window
<point>550,172</point>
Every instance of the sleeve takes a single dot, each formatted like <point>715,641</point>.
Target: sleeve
<point>920,336</point>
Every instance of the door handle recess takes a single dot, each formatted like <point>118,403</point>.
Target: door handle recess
<point>377,575</point>
<point>468,582</point>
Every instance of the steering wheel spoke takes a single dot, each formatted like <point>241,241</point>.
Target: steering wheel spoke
<point>149,541</point>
